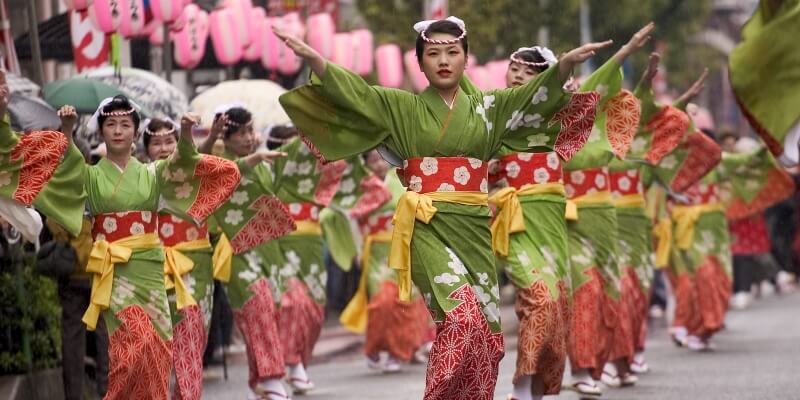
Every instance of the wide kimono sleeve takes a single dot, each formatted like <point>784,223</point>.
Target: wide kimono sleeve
<point>688,163</point>
<point>193,185</point>
<point>539,116</point>
<point>43,170</point>
<point>343,115</point>
<point>661,128</point>
<point>359,194</point>
<point>615,123</point>
<point>765,77</point>
<point>752,182</point>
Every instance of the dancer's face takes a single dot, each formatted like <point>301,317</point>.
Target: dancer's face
<point>443,64</point>
<point>242,142</point>
<point>518,74</point>
<point>161,145</point>
<point>119,133</point>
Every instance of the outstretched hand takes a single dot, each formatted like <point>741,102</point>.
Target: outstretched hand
<point>651,71</point>
<point>68,116</point>
<point>301,49</point>
<point>577,56</point>
<point>637,41</point>
<point>693,90</point>
<point>189,121</point>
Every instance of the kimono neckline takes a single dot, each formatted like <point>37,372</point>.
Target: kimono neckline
<point>434,100</point>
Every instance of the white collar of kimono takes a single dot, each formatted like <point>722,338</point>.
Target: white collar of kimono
<point>422,26</point>
<point>548,55</point>
<point>94,125</point>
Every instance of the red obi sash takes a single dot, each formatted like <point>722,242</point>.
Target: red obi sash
<point>625,183</point>
<point>119,225</point>
<point>378,222</point>
<point>445,174</point>
<point>586,181</point>
<point>304,211</point>
<point>520,169</point>
<point>173,230</point>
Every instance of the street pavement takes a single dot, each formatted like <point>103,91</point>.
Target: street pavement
<point>757,357</point>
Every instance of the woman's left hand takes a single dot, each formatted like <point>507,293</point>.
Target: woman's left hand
<point>577,56</point>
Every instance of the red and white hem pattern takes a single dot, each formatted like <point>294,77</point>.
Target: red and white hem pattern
<point>188,345</point>
<point>586,181</point>
<point>520,169</point>
<point>120,225</point>
<point>749,235</point>
<point>300,322</point>
<point>174,230</point>
<point>464,360</point>
<point>257,320</point>
<point>445,174</point>
<point>625,183</point>
<point>272,220</point>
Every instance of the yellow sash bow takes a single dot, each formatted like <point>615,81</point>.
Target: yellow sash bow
<point>101,263</point>
<point>176,264</point>
<point>222,258</point>
<point>686,217</point>
<point>416,206</point>
<point>510,219</point>
<point>663,232</point>
<point>630,201</point>
<point>307,228</point>
<point>588,199</point>
<point>354,316</point>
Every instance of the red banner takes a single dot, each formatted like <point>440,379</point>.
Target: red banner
<point>91,48</point>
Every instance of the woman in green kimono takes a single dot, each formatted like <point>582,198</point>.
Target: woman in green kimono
<point>127,259</point>
<point>535,258</point>
<point>189,277</point>
<point>396,327</point>
<point>443,139</point>
<point>251,220</point>
<point>308,186</point>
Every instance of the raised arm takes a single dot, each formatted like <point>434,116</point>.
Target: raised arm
<point>692,92</point>
<point>216,133</point>
<point>637,42</point>
<point>68,117</point>
<point>315,61</point>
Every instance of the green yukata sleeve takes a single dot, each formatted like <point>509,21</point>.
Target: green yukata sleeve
<point>194,185</point>
<point>42,169</point>
<point>539,116</point>
<point>343,115</point>
<point>752,182</point>
<point>661,128</point>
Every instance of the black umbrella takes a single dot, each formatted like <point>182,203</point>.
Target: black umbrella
<point>31,113</point>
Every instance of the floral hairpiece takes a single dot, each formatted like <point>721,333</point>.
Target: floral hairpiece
<point>549,58</point>
<point>237,124</point>
<point>162,132</point>
<point>422,26</point>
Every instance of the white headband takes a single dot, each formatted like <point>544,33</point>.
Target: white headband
<point>94,125</point>
<point>422,26</point>
<point>549,58</point>
<point>222,109</point>
<point>148,132</point>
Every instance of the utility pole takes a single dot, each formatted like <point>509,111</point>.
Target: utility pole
<point>543,36</point>
<point>36,51</point>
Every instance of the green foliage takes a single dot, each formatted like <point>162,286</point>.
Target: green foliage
<point>38,314</point>
<point>498,27</point>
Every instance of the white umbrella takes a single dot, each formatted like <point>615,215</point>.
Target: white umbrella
<point>259,96</point>
<point>157,95</point>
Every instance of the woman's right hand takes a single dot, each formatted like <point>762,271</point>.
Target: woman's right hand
<point>68,116</point>
<point>300,48</point>
<point>218,127</point>
<point>651,71</point>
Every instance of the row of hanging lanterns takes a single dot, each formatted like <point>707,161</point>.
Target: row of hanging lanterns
<point>240,31</point>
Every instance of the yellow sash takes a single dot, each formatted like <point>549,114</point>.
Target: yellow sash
<point>101,263</point>
<point>307,228</point>
<point>630,201</point>
<point>510,219</point>
<point>176,264</point>
<point>586,200</point>
<point>354,316</point>
<point>663,232</point>
<point>686,217</point>
<point>222,258</point>
<point>416,206</point>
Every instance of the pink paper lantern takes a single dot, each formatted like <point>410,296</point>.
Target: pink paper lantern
<point>154,30</point>
<point>77,5</point>
<point>364,50</point>
<point>272,44</point>
<point>321,29</point>
<point>479,75</point>
<point>343,50</point>
<point>224,36</point>
<point>288,62</point>
<point>166,11</point>
<point>497,73</point>
<point>258,34</point>
<point>179,23</point>
<point>132,22</point>
<point>472,61</point>
<point>242,11</point>
<point>107,14</point>
<point>389,60</point>
<point>418,80</point>
<point>190,42</point>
